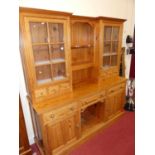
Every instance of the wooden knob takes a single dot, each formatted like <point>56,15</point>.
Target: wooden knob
<point>71,108</point>
<point>52,116</point>
<point>40,72</point>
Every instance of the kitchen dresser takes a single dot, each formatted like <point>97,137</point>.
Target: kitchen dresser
<point>71,66</point>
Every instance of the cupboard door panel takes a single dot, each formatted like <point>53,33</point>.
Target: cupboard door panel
<point>69,129</point>
<point>55,135</point>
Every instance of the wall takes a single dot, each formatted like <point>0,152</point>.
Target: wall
<point>110,8</point>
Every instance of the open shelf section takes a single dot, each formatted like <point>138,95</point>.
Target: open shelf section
<point>82,66</point>
<point>91,117</point>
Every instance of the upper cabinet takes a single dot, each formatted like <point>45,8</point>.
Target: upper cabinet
<point>110,34</point>
<point>48,50</point>
<point>61,51</point>
<point>45,51</point>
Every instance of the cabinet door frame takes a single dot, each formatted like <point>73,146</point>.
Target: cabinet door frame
<point>101,47</point>
<point>28,54</point>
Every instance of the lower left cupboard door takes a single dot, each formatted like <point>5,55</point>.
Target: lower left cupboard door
<point>55,136</point>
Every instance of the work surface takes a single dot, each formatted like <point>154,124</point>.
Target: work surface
<point>77,94</point>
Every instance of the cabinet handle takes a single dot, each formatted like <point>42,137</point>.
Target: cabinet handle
<point>52,116</point>
<point>71,108</point>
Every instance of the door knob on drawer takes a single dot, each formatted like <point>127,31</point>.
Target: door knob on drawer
<point>52,116</point>
<point>71,108</point>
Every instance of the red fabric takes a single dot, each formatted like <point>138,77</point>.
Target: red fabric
<point>118,139</point>
<point>132,67</point>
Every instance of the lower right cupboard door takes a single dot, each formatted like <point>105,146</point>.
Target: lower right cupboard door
<point>114,104</point>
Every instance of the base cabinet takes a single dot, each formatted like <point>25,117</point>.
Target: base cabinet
<point>114,103</point>
<point>62,132</point>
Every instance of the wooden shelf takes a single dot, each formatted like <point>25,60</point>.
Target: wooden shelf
<point>82,46</point>
<point>40,63</point>
<point>47,43</point>
<point>109,54</point>
<point>58,60</point>
<point>82,66</point>
<point>47,62</point>
<point>44,81</point>
<point>59,78</point>
<point>89,121</point>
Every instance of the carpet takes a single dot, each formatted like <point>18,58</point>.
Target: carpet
<point>118,139</point>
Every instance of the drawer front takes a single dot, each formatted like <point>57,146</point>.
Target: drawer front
<point>40,93</point>
<point>60,113</point>
<point>92,99</point>
<point>64,86</point>
<point>72,108</point>
<point>55,115</point>
<point>53,90</point>
<point>116,88</point>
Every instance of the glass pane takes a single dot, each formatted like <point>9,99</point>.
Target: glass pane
<point>58,52</point>
<point>107,46</point>
<point>115,34</point>
<point>107,32</point>
<point>56,32</point>
<point>114,60</point>
<point>114,46</point>
<point>59,71</point>
<point>38,32</point>
<point>106,61</point>
<point>41,54</point>
<point>43,73</point>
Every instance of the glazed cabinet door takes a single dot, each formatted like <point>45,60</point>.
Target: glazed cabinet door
<point>47,50</point>
<point>111,43</point>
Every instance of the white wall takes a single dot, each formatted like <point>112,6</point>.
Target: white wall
<point>110,8</point>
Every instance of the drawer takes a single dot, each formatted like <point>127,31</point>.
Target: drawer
<point>64,86</point>
<point>53,90</point>
<point>55,115</point>
<point>116,88</point>
<point>60,113</point>
<point>72,108</point>
<point>40,93</point>
<point>92,99</point>
<point>121,86</point>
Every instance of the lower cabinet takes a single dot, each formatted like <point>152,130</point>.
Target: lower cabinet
<point>62,132</point>
<point>114,103</point>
